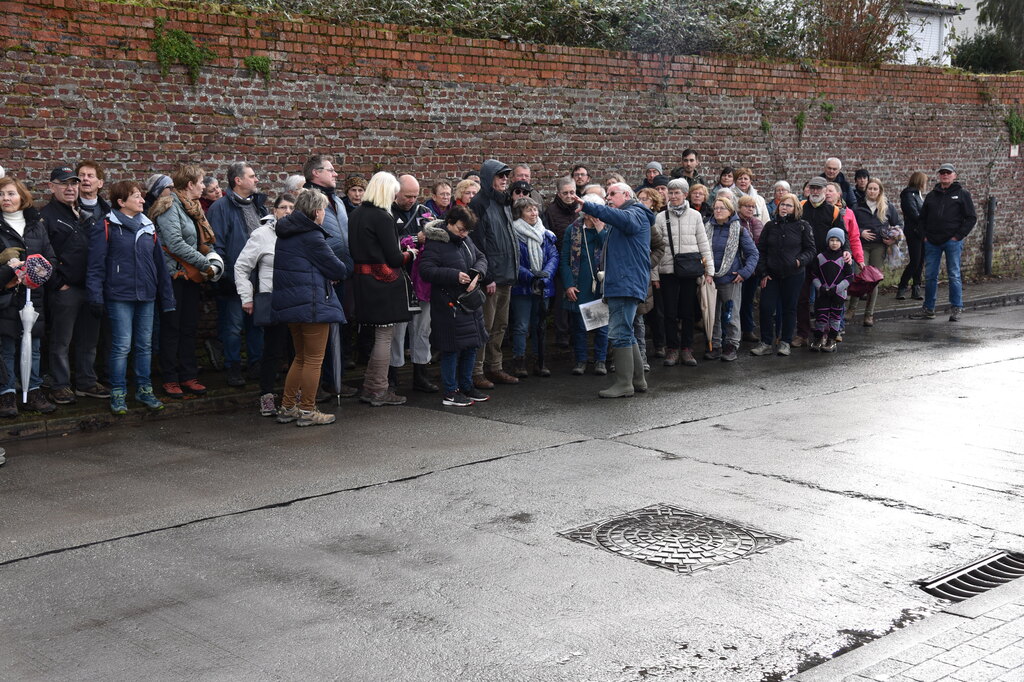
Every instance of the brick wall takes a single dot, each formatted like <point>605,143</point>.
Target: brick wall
<point>81,80</point>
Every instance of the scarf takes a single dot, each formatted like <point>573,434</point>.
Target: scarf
<point>133,223</point>
<point>533,237</point>
<point>17,222</point>
<point>252,221</point>
<point>194,210</point>
<point>679,210</point>
<point>731,245</point>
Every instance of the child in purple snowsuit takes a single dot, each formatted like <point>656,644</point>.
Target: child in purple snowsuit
<point>832,276</point>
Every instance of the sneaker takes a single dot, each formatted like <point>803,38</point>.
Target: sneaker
<point>954,313</point>
<point>728,353</point>
<point>829,346</point>
<point>38,402</point>
<point>541,370</point>
<point>267,406</point>
<point>63,395</point>
<point>783,348</point>
<point>235,378</point>
<point>762,349</point>
<point>192,386</point>
<point>97,391</point>
<point>713,354</point>
<point>686,358</point>
<point>348,391</point>
<point>475,395</point>
<point>388,397</point>
<point>314,417</point>
<point>797,342</point>
<point>173,390</point>
<point>924,314</point>
<point>600,369</point>
<point>815,345</point>
<point>144,395</point>
<point>286,415</point>
<point>117,402</point>
<point>579,368</point>
<point>456,399</point>
<point>671,358</point>
<point>9,405</point>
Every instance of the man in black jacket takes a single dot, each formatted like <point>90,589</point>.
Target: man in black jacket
<point>822,217</point>
<point>947,217</point>
<point>68,228</point>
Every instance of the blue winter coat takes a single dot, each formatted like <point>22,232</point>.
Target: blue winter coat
<point>627,265</point>
<point>127,264</point>
<point>525,277</point>
<point>336,227</point>
<point>304,266</point>
<point>745,261</point>
<point>228,224</point>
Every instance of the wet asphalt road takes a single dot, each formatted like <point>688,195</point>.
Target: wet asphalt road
<point>420,543</point>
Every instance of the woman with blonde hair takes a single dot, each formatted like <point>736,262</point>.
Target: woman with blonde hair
<point>735,257</point>
<point>911,201</point>
<point>880,228</point>
<point>698,199</point>
<point>465,191</point>
<point>381,287</point>
<point>652,199</point>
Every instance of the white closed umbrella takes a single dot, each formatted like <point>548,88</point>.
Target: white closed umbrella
<point>28,319</point>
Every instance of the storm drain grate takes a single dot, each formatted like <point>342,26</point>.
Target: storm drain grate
<point>673,538</point>
<point>973,579</point>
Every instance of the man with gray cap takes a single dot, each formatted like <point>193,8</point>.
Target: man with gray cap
<point>652,171</point>
<point>947,217</point>
<point>822,217</point>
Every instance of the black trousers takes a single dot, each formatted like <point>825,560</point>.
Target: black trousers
<point>178,330</point>
<point>915,247</point>
<point>680,297</point>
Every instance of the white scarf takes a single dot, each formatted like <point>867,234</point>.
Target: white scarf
<point>533,237</point>
<point>17,221</point>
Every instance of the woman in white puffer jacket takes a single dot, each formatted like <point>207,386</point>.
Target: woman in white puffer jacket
<point>684,232</point>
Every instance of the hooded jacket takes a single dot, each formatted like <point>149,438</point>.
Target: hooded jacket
<point>947,213</point>
<point>444,256</point>
<point>127,264</point>
<point>783,242</point>
<point>627,262</point>
<point>494,229</point>
<point>304,266</point>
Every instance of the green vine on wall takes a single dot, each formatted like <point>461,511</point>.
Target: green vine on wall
<point>1015,122</point>
<point>258,64</point>
<point>177,47</point>
<point>801,121</point>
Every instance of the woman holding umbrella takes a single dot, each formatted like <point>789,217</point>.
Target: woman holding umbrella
<point>22,233</point>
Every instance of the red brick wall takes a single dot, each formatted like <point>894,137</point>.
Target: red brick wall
<point>80,79</point>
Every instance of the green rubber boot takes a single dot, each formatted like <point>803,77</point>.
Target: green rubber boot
<point>623,386</point>
<point>639,378</point>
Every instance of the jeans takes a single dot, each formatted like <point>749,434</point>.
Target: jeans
<point>621,313</point>
<point>9,347</point>
<point>73,326</point>
<point>231,320</point>
<point>787,293</point>
<point>457,369</point>
<point>527,315</point>
<point>131,329</point>
<point>932,259</point>
<point>579,339</point>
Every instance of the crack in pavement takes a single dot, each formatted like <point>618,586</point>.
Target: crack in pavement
<point>853,494</point>
<point>285,503</point>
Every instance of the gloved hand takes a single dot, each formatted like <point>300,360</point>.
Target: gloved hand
<point>540,274</point>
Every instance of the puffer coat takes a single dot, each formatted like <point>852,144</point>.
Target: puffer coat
<point>444,256</point>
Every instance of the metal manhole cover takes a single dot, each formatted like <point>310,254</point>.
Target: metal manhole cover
<point>673,538</point>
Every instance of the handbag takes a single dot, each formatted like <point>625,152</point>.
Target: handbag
<point>470,301</point>
<point>684,265</point>
<point>413,302</point>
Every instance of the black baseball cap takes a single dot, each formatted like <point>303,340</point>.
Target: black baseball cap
<point>63,174</point>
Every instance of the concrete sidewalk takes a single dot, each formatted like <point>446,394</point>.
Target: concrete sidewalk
<point>977,640</point>
<point>90,414</point>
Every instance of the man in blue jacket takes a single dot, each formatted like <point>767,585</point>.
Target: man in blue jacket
<point>233,218</point>
<point>626,264</point>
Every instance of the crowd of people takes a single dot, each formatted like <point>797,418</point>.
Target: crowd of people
<point>334,270</point>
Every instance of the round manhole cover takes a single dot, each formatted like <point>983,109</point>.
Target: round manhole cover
<point>673,538</point>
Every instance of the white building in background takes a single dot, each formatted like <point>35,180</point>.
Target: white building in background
<point>932,25</point>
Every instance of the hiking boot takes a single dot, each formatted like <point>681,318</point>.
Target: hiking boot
<point>173,390</point>
<point>519,368</point>
<point>192,386</point>
<point>829,346</point>
<point>235,378</point>
<point>421,380</point>
<point>118,405</point>
<point>314,417</point>
<point>388,397</point>
<point>815,344</point>
<point>762,349</point>
<point>797,342</point>
<point>728,353</point>
<point>671,358</point>
<point>9,405</point>
<point>144,395</point>
<point>924,314</point>
<point>96,391</point>
<point>600,369</point>
<point>286,415</point>
<point>63,395</point>
<point>481,382</point>
<point>954,313</point>
<point>267,406</point>
<point>750,337</point>
<point>541,371</point>
<point>901,294</point>
<point>347,391</point>
<point>500,376</point>
<point>475,395</point>
<point>869,320</point>
<point>38,402</point>
<point>579,369</point>
<point>713,354</point>
<point>783,348</point>
<point>915,293</point>
<point>456,399</point>
<point>686,358</point>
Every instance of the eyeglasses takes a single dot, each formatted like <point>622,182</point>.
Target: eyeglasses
<point>520,191</point>
<point>504,174</point>
<point>945,172</point>
<point>329,170</point>
<point>614,193</point>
